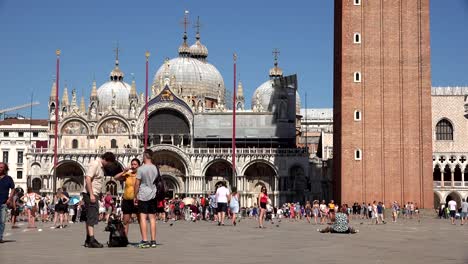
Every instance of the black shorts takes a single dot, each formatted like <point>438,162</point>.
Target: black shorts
<point>222,207</point>
<point>452,213</point>
<point>92,210</point>
<point>147,207</point>
<point>61,208</point>
<point>263,205</point>
<point>128,207</point>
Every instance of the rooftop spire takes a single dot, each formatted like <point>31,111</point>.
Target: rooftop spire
<point>198,26</point>
<point>65,96</point>
<point>240,90</point>
<point>133,92</point>
<point>184,50</point>
<point>82,105</point>
<point>53,93</point>
<point>198,50</point>
<point>276,71</point>
<point>94,91</point>
<point>116,74</point>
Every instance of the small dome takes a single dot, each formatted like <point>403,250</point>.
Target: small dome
<point>198,50</point>
<point>265,92</point>
<point>114,94</point>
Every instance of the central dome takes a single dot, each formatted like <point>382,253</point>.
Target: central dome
<point>113,94</point>
<point>193,77</point>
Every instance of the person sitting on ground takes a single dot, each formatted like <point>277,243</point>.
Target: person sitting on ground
<point>340,225</point>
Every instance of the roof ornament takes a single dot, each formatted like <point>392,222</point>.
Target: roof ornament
<point>184,50</point>
<point>276,71</point>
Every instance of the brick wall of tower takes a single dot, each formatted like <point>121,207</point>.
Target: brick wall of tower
<point>394,96</point>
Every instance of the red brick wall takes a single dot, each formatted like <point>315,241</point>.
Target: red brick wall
<point>393,96</point>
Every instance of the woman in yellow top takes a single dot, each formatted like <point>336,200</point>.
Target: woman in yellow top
<point>129,177</point>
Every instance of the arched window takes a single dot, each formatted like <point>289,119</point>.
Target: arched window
<point>357,2</point>
<point>357,154</point>
<point>357,77</point>
<point>444,130</point>
<point>357,38</point>
<point>113,143</point>
<point>75,144</point>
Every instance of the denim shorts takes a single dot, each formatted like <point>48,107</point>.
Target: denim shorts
<point>463,214</point>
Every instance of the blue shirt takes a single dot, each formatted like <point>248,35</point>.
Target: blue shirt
<point>6,183</point>
<point>379,209</point>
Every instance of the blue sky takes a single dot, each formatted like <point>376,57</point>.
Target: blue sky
<point>87,32</point>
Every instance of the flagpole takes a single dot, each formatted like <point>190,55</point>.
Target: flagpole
<point>147,54</point>
<point>234,124</point>
<point>57,52</point>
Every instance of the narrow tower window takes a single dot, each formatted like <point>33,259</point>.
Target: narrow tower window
<point>357,38</point>
<point>357,115</point>
<point>357,154</point>
<point>357,2</point>
<point>357,77</point>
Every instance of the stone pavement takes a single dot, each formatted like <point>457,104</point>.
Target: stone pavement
<point>430,241</point>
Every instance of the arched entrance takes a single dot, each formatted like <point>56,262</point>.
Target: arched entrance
<point>217,172</point>
<point>257,175</point>
<point>172,186</point>
<point>168,126</point>
<point>453,196</point>
<point>173,171</point>
<point>36,185</point>
<point>71,175</point>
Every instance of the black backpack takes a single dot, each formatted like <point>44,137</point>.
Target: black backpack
<point>160,187</point>
<point>117,237</point>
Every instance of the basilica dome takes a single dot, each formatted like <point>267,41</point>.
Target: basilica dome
<point>264,94</point>
<point>193,77</point>
<point>114,93</point>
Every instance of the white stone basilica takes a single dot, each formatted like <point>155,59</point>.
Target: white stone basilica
<point>190,129</point>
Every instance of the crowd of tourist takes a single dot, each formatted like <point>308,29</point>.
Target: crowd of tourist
<point>143,201</point>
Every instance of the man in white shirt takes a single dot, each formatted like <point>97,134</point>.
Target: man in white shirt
<point>222,194</point>
<point>453,210</point>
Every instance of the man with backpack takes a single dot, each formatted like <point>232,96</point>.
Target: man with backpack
<point>145,198</point>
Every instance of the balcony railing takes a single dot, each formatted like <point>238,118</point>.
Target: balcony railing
<point>226,151</point>
<point>451,184</point>
<point>84,151</point>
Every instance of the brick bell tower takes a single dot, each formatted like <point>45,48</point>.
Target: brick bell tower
<point>382,102</point>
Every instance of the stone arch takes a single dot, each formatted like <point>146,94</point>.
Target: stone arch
<point>455,196</point>
<point>74,126</point>
<point>437,174</point>
<point>457,173</point>
<point>70,173</point>
<point>447,173</point>
<point>35,169</point>
<point>176,129</point>
<point>114,130</point>
<point>260,171</point>
<point>216,171</point>
<point>174,152</point>
<point>182,109</point>
<point>173,184</point>
<point>266,162</point>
